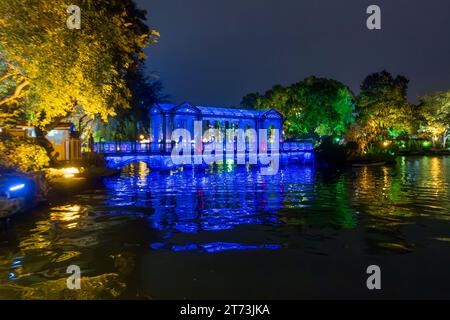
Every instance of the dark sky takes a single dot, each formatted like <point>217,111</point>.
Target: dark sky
<point>216,51</point>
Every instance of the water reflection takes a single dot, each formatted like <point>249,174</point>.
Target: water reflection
<point>212,247</point>
<point>109,229</point>
<point>217,199</point>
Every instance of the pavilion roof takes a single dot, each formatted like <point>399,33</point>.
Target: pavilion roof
<point>215,111</point>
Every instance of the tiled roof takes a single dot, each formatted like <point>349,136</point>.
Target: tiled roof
<point>216,111</point>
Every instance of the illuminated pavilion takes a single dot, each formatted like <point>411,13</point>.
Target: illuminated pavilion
<point>166,117</point>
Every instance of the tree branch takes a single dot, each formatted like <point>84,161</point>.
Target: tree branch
<point>6,76</point>
<point>17,93</point>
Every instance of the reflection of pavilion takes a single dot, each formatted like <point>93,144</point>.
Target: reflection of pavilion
<point>211,201</point>
<point>165,118</point>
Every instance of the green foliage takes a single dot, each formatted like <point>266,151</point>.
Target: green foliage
<point>315,105</point>
<point>119,129</point>
<point>435,110</point>
<point>130,122</point>
<point>383,108</point>
<point>251,100</point>
<point>326,106</point>
<point>323,107</point>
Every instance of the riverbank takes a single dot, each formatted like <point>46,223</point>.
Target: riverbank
<point>21,191</point>
<point>62,184</point>
<point>39,188</point>
<point>331,155</point>
<point>371,160</point>
<point>377,160</point>
<point>431,152</point>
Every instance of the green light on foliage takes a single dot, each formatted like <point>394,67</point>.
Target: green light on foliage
<point>394,133</point>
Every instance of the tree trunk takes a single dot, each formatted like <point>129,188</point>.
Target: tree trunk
<point>445,138</point>
<point>42,141</point>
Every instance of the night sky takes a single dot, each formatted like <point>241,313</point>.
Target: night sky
<point>216,51</point>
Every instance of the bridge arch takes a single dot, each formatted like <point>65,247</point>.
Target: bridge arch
<point>153,161</point>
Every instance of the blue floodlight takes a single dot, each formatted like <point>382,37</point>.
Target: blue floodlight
<point>17,187</point>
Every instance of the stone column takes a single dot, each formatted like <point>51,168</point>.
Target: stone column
<point>164,126</point>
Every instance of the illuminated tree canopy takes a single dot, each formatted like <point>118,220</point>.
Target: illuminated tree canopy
<point>51,70</point>
<point>435,108</point>
<point>383,110</point>
<point>314,106</point>
<point>383,103</point>
<point>378,116</point>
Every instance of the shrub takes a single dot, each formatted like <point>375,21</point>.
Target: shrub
<point>21,154</point>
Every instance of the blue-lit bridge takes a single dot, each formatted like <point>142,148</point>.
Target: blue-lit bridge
<point>118,154</point>
<point>166,119</point>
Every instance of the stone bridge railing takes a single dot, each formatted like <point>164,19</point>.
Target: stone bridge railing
<point>119,148</point>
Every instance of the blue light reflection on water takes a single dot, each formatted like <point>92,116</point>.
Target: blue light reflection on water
<point>211,200</point>
<point>221,225</point>
<point>212,247</point>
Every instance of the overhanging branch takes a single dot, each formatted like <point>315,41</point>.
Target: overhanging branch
<point>17,93</point>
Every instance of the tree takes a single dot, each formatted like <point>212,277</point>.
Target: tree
<point>130,123</point>
<point>314,106</point>
<point>60,71</point>
<point>325,106</point>
<point>251,100</point>
<point>12,88</point>
<point>146,89</point>
<point>435,109</point>
<point>383,108</point>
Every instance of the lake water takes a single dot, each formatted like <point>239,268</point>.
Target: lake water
<point>229,232</point>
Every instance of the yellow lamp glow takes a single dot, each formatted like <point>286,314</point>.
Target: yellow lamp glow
<point>70,172</point>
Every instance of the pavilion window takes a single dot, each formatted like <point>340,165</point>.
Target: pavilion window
<point>247,133</point>
<point>271,134</point>
<point>205,125</point>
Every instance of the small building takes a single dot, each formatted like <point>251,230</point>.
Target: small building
<point>166,117</point>
<point>66,147</point>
